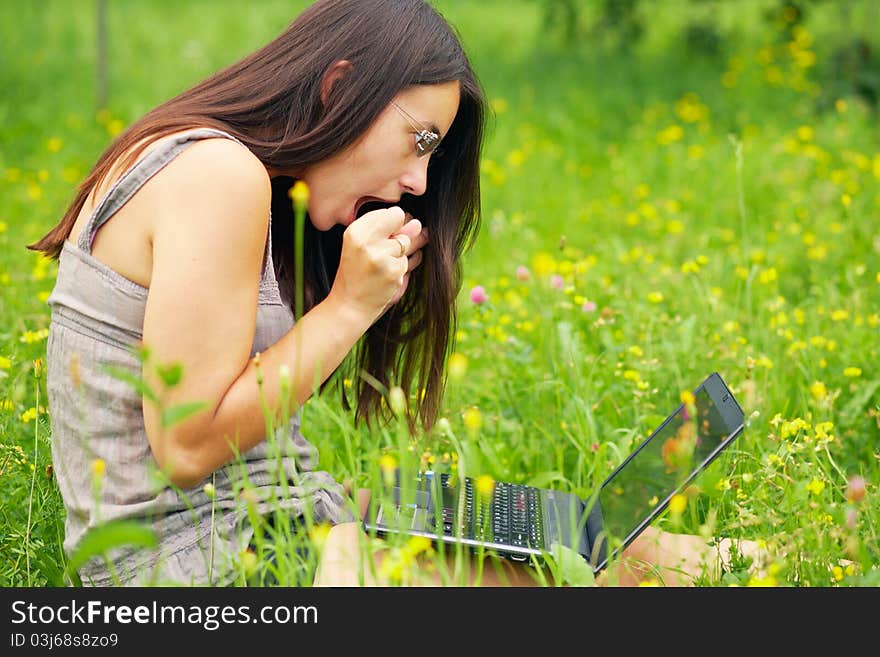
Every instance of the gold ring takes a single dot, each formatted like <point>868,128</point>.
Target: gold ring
<point>402,246</point>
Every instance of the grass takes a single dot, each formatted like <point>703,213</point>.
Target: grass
<point>674,213</point>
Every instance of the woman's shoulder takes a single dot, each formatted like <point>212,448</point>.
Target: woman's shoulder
<point>223,164</point>
<point>217,176</point>
<point>214,191</point>
<point>218,161</point>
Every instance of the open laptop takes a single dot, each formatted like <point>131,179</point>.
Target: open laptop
<point>520,522</point>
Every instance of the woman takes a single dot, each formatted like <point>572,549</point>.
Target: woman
<point>177,242</point>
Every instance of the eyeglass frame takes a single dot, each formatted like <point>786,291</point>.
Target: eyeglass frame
<point>423,134</point>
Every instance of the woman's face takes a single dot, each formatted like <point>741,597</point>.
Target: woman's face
<point>384,164</point>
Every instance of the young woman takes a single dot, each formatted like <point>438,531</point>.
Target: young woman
<point>181,240</point>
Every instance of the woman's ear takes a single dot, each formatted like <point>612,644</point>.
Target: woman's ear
<point>332,76</point>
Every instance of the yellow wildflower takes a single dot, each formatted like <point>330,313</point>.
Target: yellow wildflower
<point>677,504</point>
<point>674,227</point>
<point>816,486</point>
<point>299,193</point>
<point>485,485</point>
<point>249,562</point>
<point>543,264</point>
<point>805,133</point>
<point>387,463</point>
<point>768,275</point>
<point>472,419</point>
<point>766,581</point>
<point>792,427</point>
<point>99,467</point>
<point>29,337</point>
<point>30,414</point>
<point>670,134</point>
<point>319,532</point>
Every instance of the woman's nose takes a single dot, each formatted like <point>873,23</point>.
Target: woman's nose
<point>415,180</point>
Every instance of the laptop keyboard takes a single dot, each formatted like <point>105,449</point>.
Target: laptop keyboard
<point>511,517</point>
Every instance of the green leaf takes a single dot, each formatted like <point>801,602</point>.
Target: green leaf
<point>859,401</point>
<point>48,566</point>
<point>144,353</point>
<point>545,479</point>
<point>170,374</point>
<point>133,380</point>
<point>570,342</point>
<point>111,535</point>
<point>179,413</point>
<point>573,568</point>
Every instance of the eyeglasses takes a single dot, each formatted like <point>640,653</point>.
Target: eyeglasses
<point>426,140</point>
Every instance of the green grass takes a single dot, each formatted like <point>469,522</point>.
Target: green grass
<point>720,212</point>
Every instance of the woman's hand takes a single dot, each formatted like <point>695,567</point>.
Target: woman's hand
<point>379,251</point>
<point>418,237</point>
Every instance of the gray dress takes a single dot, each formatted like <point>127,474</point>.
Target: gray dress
<point>97,321</point>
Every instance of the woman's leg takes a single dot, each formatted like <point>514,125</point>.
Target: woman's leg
<point>674,559</point>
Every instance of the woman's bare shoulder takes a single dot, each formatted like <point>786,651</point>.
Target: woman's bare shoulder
<point>215,180</point>
<point>215,188</point>
<point>222,164</point>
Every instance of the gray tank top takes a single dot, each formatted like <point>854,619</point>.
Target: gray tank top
<point>97,320</point>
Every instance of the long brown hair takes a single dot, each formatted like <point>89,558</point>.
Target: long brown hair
<point>271,101</point>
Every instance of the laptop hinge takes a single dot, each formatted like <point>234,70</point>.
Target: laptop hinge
<point>564,521</point>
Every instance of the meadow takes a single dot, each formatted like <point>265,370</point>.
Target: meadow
<point>650,215</point>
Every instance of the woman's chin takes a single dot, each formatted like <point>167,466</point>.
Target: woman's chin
<point>320,226</point>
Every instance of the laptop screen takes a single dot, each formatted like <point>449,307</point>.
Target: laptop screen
<point>642,486</point>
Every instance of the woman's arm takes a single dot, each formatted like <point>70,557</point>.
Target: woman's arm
<point>208,245</point>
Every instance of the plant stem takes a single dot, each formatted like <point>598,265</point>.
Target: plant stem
<point>27,536</point>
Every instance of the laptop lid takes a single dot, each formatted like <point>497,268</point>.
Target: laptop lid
<point>642,486</point>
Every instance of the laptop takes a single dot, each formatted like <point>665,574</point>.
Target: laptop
<point>520,522</point>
